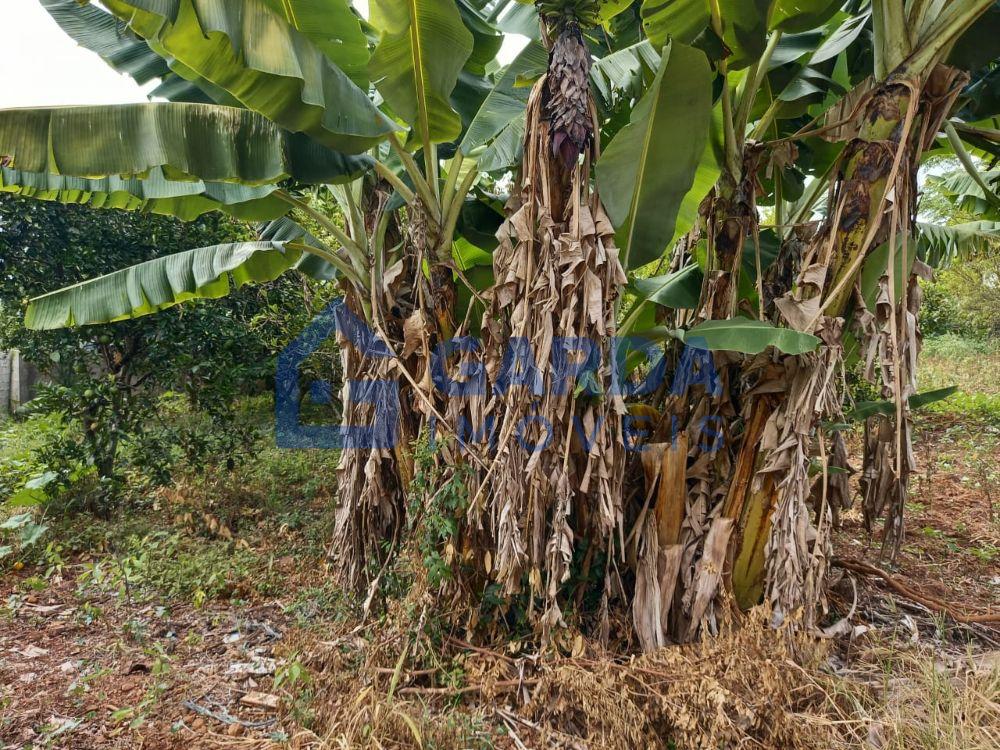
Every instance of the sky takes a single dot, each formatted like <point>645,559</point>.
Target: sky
<point>41,66</point>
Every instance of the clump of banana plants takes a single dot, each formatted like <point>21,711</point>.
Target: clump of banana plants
<point>732,182</point>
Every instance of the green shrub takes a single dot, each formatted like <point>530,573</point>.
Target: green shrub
<point>958,346</point>
<point>107,383</point>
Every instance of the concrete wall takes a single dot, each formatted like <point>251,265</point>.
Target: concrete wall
<point>17,382</point>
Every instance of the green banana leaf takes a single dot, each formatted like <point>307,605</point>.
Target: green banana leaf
<point>507,101</point>
<point>102,33</point>
<point>705,176</point>
<point>189,141</point>
<point>106,36</point>
<point>487,41</point>
<point>511,16</point>
<point>744,25</point>
<point>625,72</point>
<point>650,165</point>
<point>841,39</point>
<point>680,20</point>
<point>284,230</point>
<point>415,66</point>
<point>506,149</point>
<point>335,29</point>
<point>967,193</point>
<point>183,199</point>
<point>747,336</point>
<point>796,16</point>
<point>677,290</point>
<point>876,266</point>
<point>940,245</point>
<point>251,51</point>
<point>203,273</point>
<point>864,409</point>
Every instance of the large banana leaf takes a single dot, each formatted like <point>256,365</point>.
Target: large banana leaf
<point>795,16</point>
<point>939,246</point>
<point>677,290</point>
<point>625,72</point>
<point>511,16</point>
<point>844,36</point>
<point>184,199</point>
<point>680,20</point>
<point>251,51</point>
<point>334,28</point>
<point>204,273</point>
<point>415,66</point>
<point>747,336</point>
<point>103,34</point>
<point>650,165</point>
<point>744,24</point>
<point>487,41</point>
<point>705,176</point>
<point>285,229</point>
<point>865,409</point>
<point>876,266</point>
<point>967,193</point>
<point>506,101</point>
<point>109,38</point>
<point>505,150</point>
<point>189,141</point>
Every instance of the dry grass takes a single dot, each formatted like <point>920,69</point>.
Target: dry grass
<point>916,698</point>
<point>743,688</point>
<point>750,687</point>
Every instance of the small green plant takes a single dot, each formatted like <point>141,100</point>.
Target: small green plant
<point>435,508</point>
<point>986,553</point>
<point>294,677</point>
<point>20,532</point>
<point>137,715</point>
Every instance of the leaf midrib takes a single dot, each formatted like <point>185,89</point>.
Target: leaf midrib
<point>416,53</point>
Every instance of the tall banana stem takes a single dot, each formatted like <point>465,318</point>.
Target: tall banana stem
<point>752,84</point>
<point>393,179</point>
<point>354,251</point>
<point>421,185</point>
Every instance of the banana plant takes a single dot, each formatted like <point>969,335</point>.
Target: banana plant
<point>659,131</point>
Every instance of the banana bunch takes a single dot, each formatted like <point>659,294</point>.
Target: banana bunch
<point>586,13</point>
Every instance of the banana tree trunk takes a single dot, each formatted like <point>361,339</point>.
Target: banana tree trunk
<point>375,467</point>
<point>558,456</point>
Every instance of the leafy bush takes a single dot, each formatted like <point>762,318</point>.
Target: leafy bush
<point>956,346</point>
<point>964,299</point>
<point>107,383</point>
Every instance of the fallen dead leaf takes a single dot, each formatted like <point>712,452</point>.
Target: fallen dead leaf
<point>44,609</point>
<point>32,652</point>
<point>260,700</point>
<point>259,666</point>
